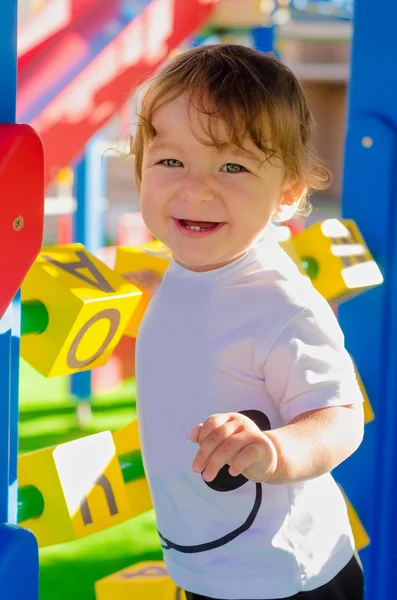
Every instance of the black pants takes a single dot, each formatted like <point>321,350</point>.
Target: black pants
<point>347,585</point>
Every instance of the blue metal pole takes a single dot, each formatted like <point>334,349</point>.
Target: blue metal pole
<point>89,225</point>
<point>370,321</point>
<point>8,60</point>
<point>18,547</point>
<point>5,408</point>
<point>14,410</point>
<point>9,331</point>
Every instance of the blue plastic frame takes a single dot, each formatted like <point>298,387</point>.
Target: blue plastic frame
<point>18,547</point>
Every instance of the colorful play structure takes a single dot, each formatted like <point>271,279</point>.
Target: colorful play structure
<point>64,310</point>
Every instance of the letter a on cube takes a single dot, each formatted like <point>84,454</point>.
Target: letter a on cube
<point>146,580</point>
<point>89,307</point>
<point>82,486</point>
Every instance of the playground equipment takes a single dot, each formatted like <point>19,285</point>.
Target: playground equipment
<point>81,487</point>
<point>72,490</point>
<point>149,580</point>
<point>97,53</point>
<point>335,256</point>
<point>75,310</point>
<point>22,228</point>
<point>21,224</point>
<point>341,265</point>
<point>153,256</point>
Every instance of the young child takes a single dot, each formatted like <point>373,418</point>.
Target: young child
<point>247,398</point>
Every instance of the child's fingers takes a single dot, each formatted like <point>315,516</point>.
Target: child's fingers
<point>256,461</point>
<point>245,458</point>
<point>223,455</point>
<point>213,423</point>
<point>193,434</point>
<point>216,447</point>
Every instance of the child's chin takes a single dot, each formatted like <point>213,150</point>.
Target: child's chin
<point>192,260</point>
<point>201,263</point>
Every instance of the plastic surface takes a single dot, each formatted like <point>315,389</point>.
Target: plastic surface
<point>22,206</point>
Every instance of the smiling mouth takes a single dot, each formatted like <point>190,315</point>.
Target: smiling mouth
<point>199,225</point>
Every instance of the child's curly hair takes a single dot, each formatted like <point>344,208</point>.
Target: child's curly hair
<point>254,93</point>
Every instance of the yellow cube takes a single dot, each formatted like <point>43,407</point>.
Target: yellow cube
<point>153,256</point>
<point>145,580</point>
<point>361,538</point>
<point>285,239</point>
<point>126,440</point>
<point>88,305</point>
<point>82,486</point>
<point>139,497</point>
<point>337,259</point>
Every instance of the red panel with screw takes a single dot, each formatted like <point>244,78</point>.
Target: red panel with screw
<point>22,205</point>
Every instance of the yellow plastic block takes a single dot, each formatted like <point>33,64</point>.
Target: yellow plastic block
<point>153,256</point>
<point>126,439</point>
<point>82,485</point>
<point>339,263</point>
<point>143,581</point>
<point>361,538</point>
<point>89,307</point>
<point>284,238</point>
<point>139,497</point>
<point>369,414</point>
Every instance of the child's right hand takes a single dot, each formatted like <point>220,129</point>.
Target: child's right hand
<point>147,281</point>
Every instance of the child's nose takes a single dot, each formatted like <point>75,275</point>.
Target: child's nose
<point>196,189</point>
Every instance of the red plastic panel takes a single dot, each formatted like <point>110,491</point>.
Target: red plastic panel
<point>103,87</point>
<point>46,24</point>
<point>22,206</point>
<point>46,63</point>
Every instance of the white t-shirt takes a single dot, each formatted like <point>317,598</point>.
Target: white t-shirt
<point>253,335</point>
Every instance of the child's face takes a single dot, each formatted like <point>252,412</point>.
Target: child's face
<point>186,180</point>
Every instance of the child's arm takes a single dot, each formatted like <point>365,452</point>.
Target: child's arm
<point>309,446</point>
<point>316,442</point>
<point>310,378</point>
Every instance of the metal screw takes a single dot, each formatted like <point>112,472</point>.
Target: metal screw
<point>367,142</point>
<point>18,223</point>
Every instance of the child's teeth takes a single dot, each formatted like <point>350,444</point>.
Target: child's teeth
<point>193,227</point>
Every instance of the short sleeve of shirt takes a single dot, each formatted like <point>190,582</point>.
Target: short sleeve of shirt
<point>307,366</point>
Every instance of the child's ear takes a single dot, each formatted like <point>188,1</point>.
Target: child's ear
<point>289,203</point>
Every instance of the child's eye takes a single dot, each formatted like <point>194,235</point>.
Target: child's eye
<point>233,168</point>
<point>171,162</point>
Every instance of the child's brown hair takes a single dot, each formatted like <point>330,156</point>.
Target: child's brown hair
<point>253,92</point>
